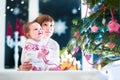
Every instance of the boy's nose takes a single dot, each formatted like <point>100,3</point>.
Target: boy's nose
<point>48,28</point>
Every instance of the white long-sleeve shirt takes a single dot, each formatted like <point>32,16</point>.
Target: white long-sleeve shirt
<point>31,49</point>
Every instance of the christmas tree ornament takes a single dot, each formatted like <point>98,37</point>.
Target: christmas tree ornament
<point>111,45</point>
<point>113,26</point>
<point>99,37</point>
<point>86,40</point>
<point>76,35</point>
<point>94,28</point>
<point>88,56</point>
<point>95,8</point>
<point>76,49</point>
<point>103,21</point>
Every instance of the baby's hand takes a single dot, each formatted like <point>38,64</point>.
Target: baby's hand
<point>44,51</point>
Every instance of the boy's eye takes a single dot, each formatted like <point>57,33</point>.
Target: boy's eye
<point>45,24</point>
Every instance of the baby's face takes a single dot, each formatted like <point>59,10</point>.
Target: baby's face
<point>36,31</point>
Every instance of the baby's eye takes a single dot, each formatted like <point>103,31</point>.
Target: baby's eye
<point>36,29</point>
<point>51,25</point>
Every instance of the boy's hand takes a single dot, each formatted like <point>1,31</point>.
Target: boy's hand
<point>26,66</point>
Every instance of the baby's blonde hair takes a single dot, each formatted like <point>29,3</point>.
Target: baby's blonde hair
<point>26,28</point>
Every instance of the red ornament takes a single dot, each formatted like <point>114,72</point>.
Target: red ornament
<point>113,26</point>
<point>94,28</point>
<point>88,56</point>
<point>76,34</point>
<point>103,7</point>
<point>111,45</point>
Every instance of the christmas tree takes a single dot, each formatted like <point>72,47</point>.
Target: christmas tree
<point>98,33</point>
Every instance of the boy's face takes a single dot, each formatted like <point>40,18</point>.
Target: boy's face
<point>48,28</point>
<point>35,32</point>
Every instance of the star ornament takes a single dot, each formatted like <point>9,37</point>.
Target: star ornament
<point>60,27</point>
